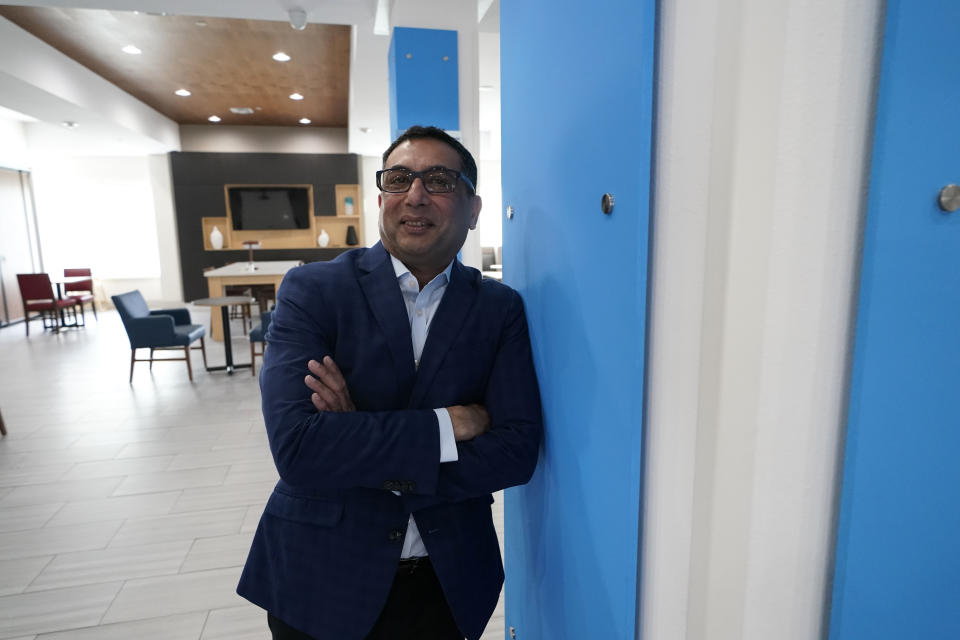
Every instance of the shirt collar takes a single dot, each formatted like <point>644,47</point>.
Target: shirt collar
<point>401,269</point>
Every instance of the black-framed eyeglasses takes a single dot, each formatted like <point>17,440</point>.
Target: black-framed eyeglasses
<point>436,180</point>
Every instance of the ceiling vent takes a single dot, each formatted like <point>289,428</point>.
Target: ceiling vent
<point>242,111</point>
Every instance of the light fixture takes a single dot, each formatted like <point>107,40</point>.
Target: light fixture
<point>364,129</point>
<point>182,92</point>
<point>296,96</point>
<point>298,19</point>
<point>280,56</point>
<point>132,50</point>
<point>304,120</point>
<point>70,124</point>
<point>200,23</point>
<point>214,118</point>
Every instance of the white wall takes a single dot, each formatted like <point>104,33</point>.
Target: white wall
<point>100,213</point>
<point>237,139</point>
<point>763,119</point>
<point>490,226</point>
<point>13,145</point>
<point>165,219</point>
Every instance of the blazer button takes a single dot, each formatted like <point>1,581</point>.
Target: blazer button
<point>395,535</point>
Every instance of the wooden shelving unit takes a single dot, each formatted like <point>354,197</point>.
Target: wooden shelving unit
<point>335,226</point>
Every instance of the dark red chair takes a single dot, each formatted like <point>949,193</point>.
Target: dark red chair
<point>81,291</point>
<point>37,295</point>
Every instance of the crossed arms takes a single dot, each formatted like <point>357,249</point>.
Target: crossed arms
<point>352,428</point>
<point>330,393</point>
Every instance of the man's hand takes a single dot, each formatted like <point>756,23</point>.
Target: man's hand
<point>468,421</point>
<point>330,392</point>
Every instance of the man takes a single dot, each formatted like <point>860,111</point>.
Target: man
<point>420,401</point>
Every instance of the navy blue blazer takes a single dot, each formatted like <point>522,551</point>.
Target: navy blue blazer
<point>326,549</point>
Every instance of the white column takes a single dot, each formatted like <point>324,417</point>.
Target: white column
<point>764,111</point>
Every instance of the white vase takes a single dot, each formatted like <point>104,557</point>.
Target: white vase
<point>216,238</point>
<point>324,238</point>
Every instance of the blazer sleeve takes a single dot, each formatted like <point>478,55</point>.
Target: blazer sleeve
<point>506,455</point>
<point>334,450</point>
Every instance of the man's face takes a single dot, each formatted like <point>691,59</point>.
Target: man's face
<point>426,230</point>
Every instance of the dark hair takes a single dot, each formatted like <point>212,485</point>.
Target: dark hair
<point>467,164</point>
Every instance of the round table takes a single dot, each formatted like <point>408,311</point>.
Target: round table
<point>224,303</point>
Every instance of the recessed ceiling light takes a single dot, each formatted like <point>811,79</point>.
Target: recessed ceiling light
<point>296,96</point>
<point>69,124</point>
<point>132,50</point>
<point>214,118</point>
<point>280,56</point>
<point>486,87</point>
<point>182,92</point>
<point>304,120</point>
<point>201,23</point>
<point>364,129</point>
<point>243,111</point>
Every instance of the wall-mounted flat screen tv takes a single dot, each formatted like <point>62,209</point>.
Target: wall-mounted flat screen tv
<point>256,208</point>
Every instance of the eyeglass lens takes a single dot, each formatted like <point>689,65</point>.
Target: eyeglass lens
<point>434,180</point>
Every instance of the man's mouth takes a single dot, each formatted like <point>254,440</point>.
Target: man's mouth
<point>416,224</point>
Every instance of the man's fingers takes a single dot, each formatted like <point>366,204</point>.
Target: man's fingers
<point>327,381</point>
<point>319,403</point>
<point>329,374</point>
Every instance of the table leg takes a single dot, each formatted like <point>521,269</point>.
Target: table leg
<point>227,343</point>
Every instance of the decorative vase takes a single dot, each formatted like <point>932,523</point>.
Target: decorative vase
<point>352,236</point>
<point>324,238</point>
<point>216,238</point>
<point>348,206</point>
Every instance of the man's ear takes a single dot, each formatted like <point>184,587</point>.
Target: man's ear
<point>475,205</point>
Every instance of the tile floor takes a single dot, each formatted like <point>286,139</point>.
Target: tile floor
<point>126,511</point>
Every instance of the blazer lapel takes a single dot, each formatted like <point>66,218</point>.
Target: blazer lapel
<point>444,328</point>
<point>379,284</point>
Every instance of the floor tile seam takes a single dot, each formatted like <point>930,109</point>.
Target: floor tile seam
<point>155,491</point>
<point>193,543</point>
<point>26,587</point>
<point>95,582</point>
<point>72,587</point>
<point>113,600</point>
<point>40,504</point>
<point>203,627</point>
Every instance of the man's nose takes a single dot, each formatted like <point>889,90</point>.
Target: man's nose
<point>417,192</point>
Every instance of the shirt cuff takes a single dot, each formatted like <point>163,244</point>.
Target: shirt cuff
<point>448,444</point>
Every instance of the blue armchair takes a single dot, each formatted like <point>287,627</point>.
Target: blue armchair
<point>157,330</point>
<point>259,334</point>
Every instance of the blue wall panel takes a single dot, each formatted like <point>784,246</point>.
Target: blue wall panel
<point>897,571</point>
<point>577,104</point>
<point>424,85</point>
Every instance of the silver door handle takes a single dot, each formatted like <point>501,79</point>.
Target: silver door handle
<point>950,198</point>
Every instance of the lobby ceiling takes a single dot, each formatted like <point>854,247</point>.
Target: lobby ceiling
<point>225,63</point>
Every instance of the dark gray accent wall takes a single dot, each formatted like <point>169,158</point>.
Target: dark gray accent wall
<point>198,180</point>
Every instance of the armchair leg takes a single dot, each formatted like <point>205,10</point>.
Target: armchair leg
<point>133,359</point>
<point>26,321</point>
<point>151,358</point>
<point>93,305</point>
<point>203,351</point>
<point>186,354</point>
<point>3,428</point>
<point>253,361</point>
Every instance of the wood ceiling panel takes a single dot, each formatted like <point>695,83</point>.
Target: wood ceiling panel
<point>224,62</point>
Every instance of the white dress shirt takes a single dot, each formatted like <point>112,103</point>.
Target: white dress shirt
<point>421,307</point>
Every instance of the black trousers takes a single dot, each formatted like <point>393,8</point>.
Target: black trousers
<point>416,609</point>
